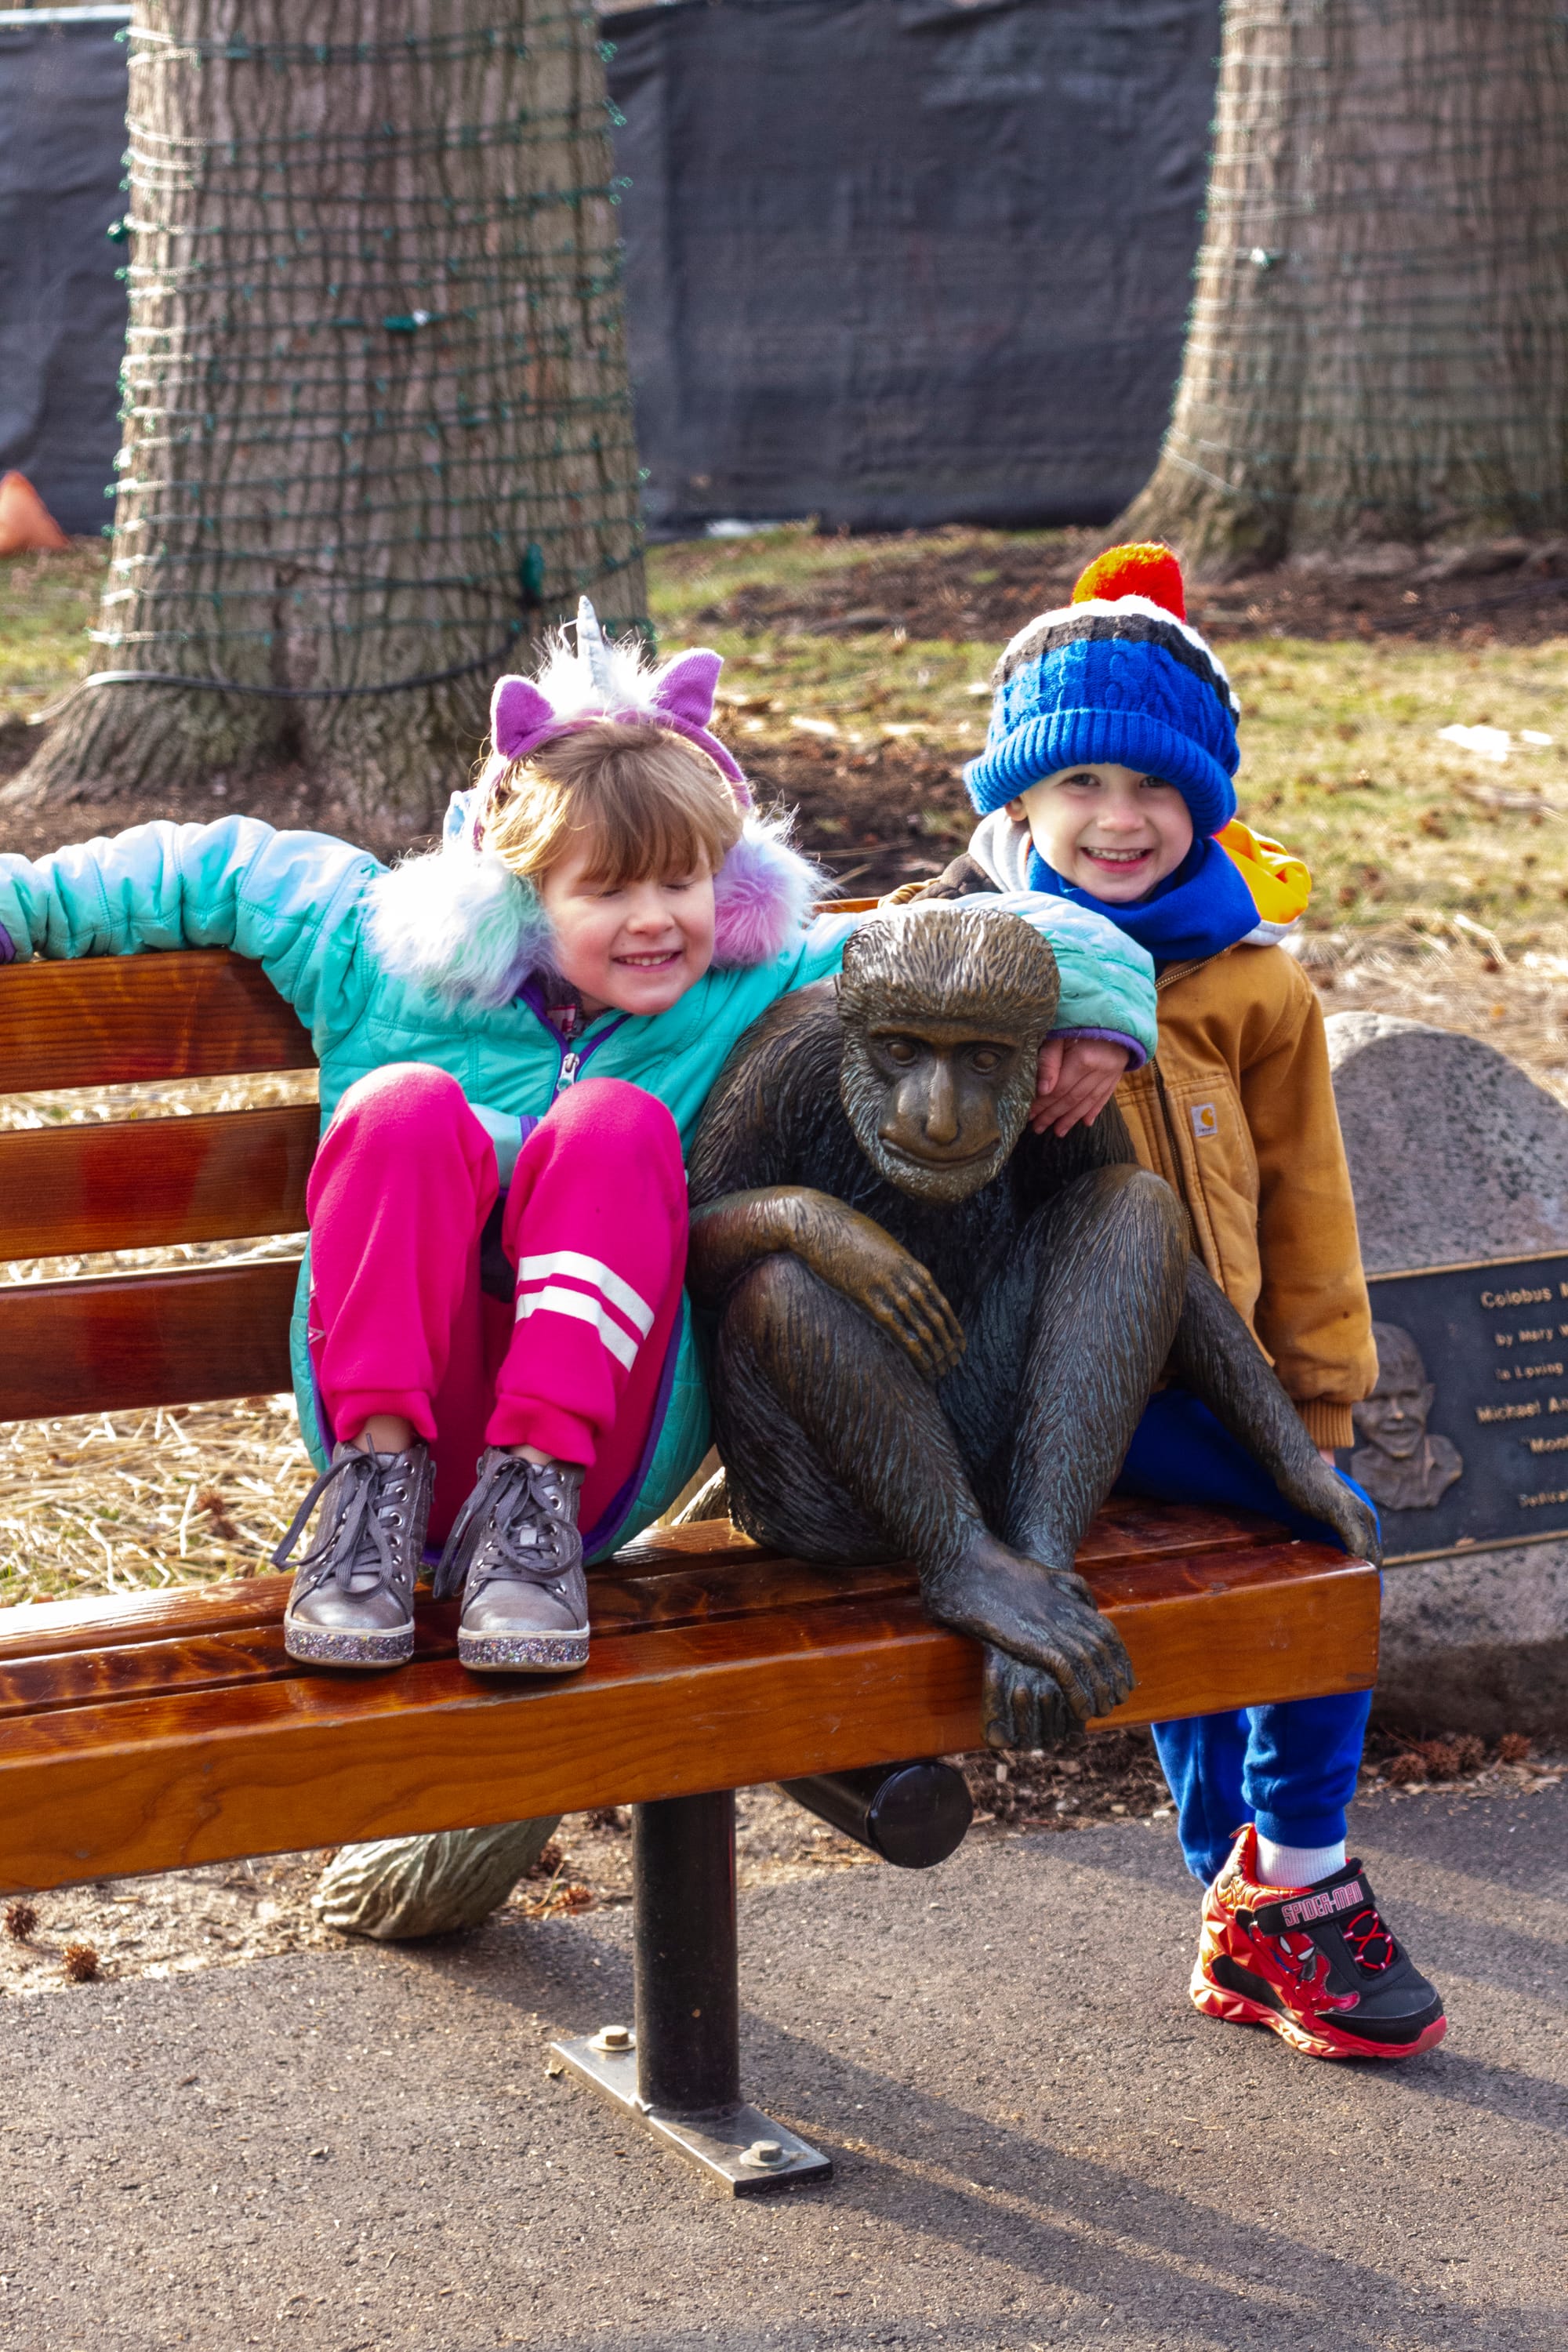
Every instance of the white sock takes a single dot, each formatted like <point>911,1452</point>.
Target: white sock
<point>1296,1865</point>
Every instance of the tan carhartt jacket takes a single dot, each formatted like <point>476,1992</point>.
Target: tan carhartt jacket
<point>1237,1112</point>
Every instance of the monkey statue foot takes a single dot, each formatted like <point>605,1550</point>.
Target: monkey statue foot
<point>1023,1707</point>
<point>1052,1660</point>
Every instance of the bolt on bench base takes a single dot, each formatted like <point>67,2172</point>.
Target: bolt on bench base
<point>680,2073</point>
<point>739,2147</point>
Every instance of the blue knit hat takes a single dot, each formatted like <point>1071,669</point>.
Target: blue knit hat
<point>1117,676</point>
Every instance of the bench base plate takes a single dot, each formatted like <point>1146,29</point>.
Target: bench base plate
<point>717,2143</point>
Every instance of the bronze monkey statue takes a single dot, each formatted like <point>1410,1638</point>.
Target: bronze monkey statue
<point>932,1330</point>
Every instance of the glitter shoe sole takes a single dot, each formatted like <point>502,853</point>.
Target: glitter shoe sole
<point>336,1646</point>
<point>522,1653</point>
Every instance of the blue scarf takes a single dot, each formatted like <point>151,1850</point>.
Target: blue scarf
<point>1201,910</point>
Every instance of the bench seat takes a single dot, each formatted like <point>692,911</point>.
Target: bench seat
<point>154,1733</point>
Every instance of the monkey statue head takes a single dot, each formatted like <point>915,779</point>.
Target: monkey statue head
<point>944,1008</point>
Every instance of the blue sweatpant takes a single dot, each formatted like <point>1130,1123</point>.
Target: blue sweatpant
<point>1291,1767</point>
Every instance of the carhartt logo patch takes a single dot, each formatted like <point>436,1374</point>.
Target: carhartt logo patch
<point>1205,1121</point>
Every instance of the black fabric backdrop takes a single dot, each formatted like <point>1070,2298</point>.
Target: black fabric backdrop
<point>62,308</point>
<point>889,262</point>
<point>904,262</point>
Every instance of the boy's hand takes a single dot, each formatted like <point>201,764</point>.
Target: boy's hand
<point>1075,1079</point>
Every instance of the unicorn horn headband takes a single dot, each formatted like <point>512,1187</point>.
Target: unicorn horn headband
<point>598,679</point>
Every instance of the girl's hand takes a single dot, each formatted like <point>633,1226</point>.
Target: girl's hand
<point>1075,1079</point>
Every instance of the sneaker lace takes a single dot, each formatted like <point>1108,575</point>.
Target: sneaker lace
<point>512,1498</point>
<point>1370,1944</point>
<point>352,1542</point>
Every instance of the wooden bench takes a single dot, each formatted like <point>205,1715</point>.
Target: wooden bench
<point>170,1728</point>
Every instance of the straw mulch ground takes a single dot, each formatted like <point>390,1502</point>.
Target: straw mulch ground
<point>134,1500</point>
<point>1452,973</point>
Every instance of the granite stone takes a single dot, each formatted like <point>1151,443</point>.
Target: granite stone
<point>1455,1155</point>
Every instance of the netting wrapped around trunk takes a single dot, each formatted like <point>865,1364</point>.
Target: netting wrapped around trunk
<point>1378,346</point>
<point>377,425</point>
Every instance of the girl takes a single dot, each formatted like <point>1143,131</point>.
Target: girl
<point>515,1034</point>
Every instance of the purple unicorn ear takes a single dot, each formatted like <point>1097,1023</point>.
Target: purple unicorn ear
<point>684,687</point>
<point>520,717</point>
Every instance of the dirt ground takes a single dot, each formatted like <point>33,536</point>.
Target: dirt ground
<point>1508,590</point>
<point>219,1916</point>
<point>895,811</point>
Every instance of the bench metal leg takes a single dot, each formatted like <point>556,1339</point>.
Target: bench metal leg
<point>679,2072</point>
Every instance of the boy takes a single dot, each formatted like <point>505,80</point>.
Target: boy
<point>1107,778</point>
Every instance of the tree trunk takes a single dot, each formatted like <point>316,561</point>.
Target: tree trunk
<point>1376,351</point>
<point>377,423</point>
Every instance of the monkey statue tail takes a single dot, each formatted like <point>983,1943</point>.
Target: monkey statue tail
<point>1217,1358</point>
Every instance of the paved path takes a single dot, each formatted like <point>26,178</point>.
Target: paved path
<point>1039,2144</point>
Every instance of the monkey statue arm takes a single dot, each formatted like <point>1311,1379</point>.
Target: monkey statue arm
<point>842,1247</point>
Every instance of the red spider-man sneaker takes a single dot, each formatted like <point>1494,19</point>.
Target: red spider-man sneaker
<point>1315,1964</point>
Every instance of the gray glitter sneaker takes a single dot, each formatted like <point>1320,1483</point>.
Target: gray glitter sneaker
<point>352,1602</point>
<point>518,1556</point>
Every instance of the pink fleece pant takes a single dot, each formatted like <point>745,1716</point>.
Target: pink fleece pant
<point>595,1223</point>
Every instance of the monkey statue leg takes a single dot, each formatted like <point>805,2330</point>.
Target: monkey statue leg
<point>1216,1358</point>
<point>839,1448</point>
<point>1064,1347</point>
<point>1063,1353</point>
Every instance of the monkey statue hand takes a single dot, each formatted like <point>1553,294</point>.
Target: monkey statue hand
<point>1051,1660</point>
<point>851,1252</point>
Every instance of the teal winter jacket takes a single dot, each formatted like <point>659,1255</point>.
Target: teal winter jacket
<point>304,907</point>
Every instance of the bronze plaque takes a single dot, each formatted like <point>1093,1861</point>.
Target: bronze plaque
<point>1465,1440</point>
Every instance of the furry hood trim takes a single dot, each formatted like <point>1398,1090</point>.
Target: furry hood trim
<point>461,922</point>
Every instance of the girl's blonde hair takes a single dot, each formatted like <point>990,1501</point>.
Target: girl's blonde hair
<point>643,800</point>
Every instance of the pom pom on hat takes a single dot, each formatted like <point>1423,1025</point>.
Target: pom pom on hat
<point>1142,568</point>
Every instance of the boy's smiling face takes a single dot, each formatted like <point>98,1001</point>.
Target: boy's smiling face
<point>1106,830</point>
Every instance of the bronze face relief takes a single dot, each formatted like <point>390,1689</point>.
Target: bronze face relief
<point>933,1331</point>
<point>1401,1464</point>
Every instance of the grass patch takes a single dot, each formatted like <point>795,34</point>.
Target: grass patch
<point>1339,752</point>
<point>46,603</point>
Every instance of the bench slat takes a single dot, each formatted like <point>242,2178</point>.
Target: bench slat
<point>619,1605</point>
<point>192,1013</point>
<point>164,1783</point>
<point>698,1594</point>
<point>1123,1528</point>
<point>149,1183</point>
<point>144,1339</point>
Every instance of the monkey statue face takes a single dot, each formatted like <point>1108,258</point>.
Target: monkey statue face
<point>944,1008</point>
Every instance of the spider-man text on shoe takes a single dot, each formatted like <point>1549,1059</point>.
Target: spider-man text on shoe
<point>1315,1963</point>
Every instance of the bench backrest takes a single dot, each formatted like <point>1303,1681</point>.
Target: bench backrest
<point>103,1343</point>
<point>167,1338</point>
